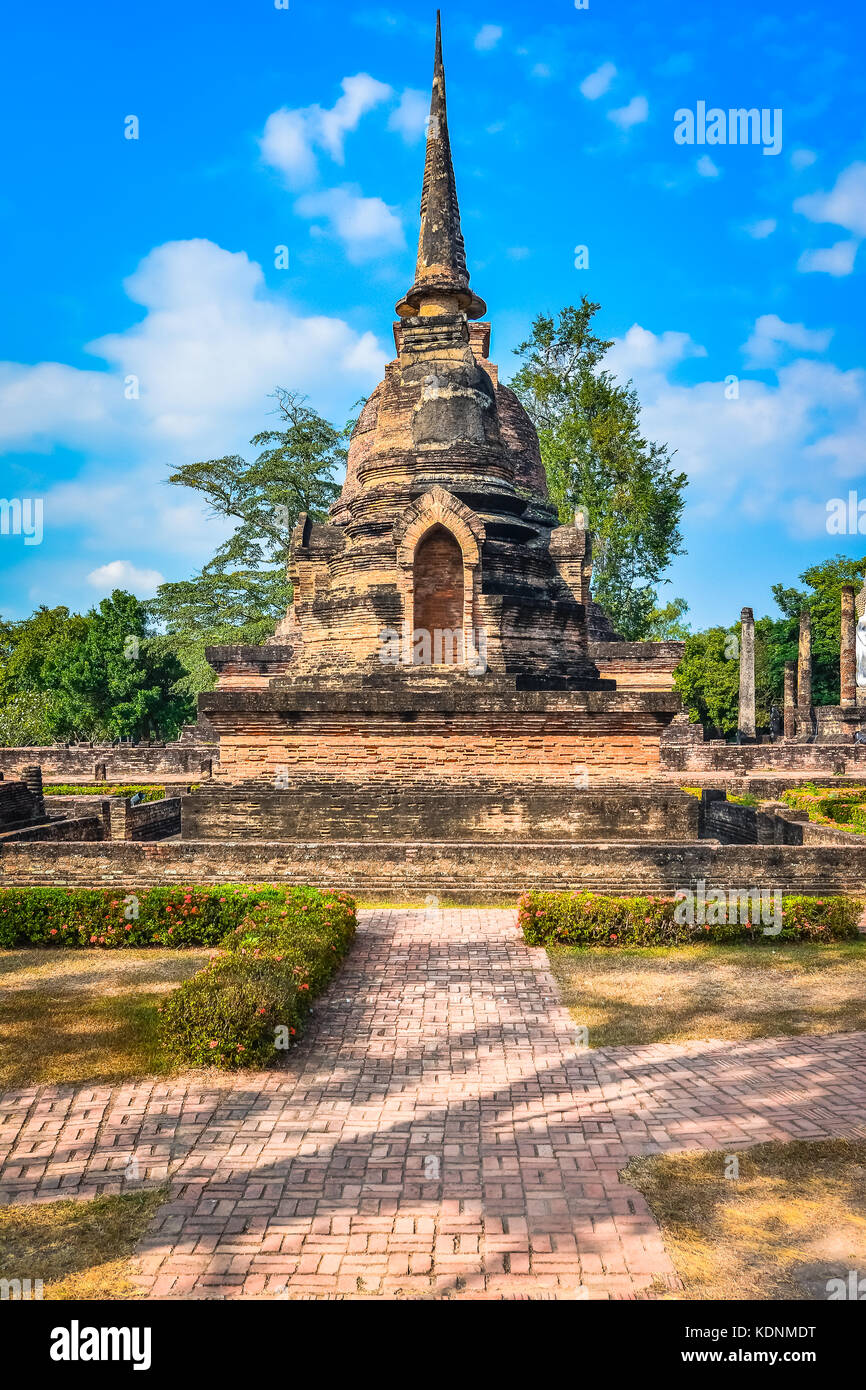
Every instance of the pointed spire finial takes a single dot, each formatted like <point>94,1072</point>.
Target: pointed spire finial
<point>440,271</point>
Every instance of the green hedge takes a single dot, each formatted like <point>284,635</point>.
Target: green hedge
<point>843,808</point>
<point>112,919</point>
<point>148,792</point>
<point>248,1005</point>
<point>592,919</point>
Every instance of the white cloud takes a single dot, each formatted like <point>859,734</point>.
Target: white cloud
<point>122,574</point>
<point>409,119</point>
<point>210,348</point>
<point>633,114</point>
<point>487,37</point>
<point>770,334</point>
<point>541,70</point>
<point>706,168</point>
<point>290,137</point>
<point>286,145</point>
<point>518,253</point>
<point>775,452</point>
<point>801,159</point>
<point>597,83</point>
<point>761,229</point>
<point>641,350</point>
<point>844,205</point>
<point>367,227</point>
<point>834,260</point>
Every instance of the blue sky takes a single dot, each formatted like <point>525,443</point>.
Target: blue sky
<point>260,127</point>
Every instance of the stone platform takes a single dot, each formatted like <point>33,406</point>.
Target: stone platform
<point>454,871</point>
<point>427,810</point>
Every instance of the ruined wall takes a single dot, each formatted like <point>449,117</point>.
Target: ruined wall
<point>506,748</point>
<point>82,763</point>
<point>808,759</point>
<point>430,811</point>
<point>70,831</point>
<point>638,665</point>
<point>471,872</point>
<point>18,804</point>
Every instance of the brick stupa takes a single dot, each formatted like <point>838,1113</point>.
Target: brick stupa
<point>435,672</point>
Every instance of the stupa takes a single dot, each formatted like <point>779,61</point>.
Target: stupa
<point>434,673</point>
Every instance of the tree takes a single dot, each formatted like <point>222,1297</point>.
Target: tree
<point>242,592</point>
<point>597,460</point>
<point>668,624</point>
<point>708,678</point>
<point>97,676</point>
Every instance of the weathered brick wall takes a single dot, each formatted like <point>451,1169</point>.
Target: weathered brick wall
<point>148,820</point>
<point>127,763</point>
<point>514,747</point>
<point>17,804</point>
<point>466,871</point>
<point>810,759</point>
<point>72,830</point>
<point>638,665</point>
<point>427,811</point>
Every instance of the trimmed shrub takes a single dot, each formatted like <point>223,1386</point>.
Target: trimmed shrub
<point>174,917</point>
<point>248,1006</point>
<point>843,808</point>
<point>592,919</point>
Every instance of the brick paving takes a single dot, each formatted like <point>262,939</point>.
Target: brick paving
<point>439,1132</point>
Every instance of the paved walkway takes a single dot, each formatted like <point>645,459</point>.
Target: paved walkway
<point>438,1132</point>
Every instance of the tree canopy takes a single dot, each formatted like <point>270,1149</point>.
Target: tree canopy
<point>243,592</point>
<point>598,461</point>
<point>100,675</point>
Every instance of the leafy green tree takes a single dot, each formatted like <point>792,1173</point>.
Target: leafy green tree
<point>708,678</point>
<point>24,720</point>
<point>97,676</point>
<point>243,592</point>
<point>117,681</point>
<point>668,624</point>
<point>597,460</point>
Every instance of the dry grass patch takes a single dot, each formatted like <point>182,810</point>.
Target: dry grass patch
<point>78,1249</point>
<point>637,995</point>
<point>794,1219</point>
<point>78,1016</point>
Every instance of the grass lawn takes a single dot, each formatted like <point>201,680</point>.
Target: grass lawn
<point>78,1249</point>
<point>651,994</point>
<point>793,1219</point>
<point>78,1016</point>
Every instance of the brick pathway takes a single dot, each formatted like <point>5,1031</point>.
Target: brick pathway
<point>438,1132</point>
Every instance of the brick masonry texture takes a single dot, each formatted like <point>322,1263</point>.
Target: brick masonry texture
<point>464,871</point>
<point>437,810</point>
<point>126,763</point>
<point>439,1133</point>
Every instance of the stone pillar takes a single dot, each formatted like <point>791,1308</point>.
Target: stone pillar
<point>848,650</point>
<point>746,716</point>
<point>31,776</point>
<point>790,699</point>
<point>804,676</point>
